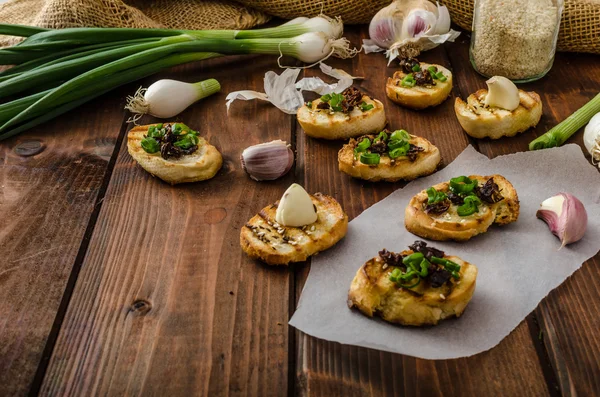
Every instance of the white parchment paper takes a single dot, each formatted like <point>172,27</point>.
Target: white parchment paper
<point>519,264</point>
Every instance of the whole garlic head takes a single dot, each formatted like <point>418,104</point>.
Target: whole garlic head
<point>502,93</point>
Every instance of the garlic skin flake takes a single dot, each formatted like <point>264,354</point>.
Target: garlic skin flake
<point>283,91</point>
<point>295,208</point>
<point>267,161</point>
<point>416,23</point>
<point>502,93</point>
<point>566,217</point>
<point>591,138</point>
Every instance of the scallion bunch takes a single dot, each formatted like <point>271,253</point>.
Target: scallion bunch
<point>57,70</point>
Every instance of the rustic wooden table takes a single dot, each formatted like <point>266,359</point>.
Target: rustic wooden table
<point>114,283</point>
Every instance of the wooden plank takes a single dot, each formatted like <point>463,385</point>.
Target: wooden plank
<point>325,368</point>
<point>46,200</point>
<point>568,314</point>
<point>166,302</point>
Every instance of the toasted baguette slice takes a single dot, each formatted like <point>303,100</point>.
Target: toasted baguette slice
<point>419,97</point>
<point>451,226</point>
<point>374,294</point>
<point>263,238</point>
<point>201,165</point>
<point>391,170</point>
<point>326,124</point>
<point>480,121</point>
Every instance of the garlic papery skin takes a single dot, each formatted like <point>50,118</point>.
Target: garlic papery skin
<point>502,93</point>
<point>591,138</point>
<point>566,217</point>
<point>295,208</point>
<point>267,161</point>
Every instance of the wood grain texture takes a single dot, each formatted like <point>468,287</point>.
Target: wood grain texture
<point>326,368</point>
<point>49,182</point>
<point>166,302</point>
<point>569,312</point>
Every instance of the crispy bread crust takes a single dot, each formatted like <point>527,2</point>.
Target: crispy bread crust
<point>272,248</point>
<point>337,125</point>
<point>422,224</point>
<point>419,97</point>
<point>425,163</point>
<point>374,294</point>
<point>494,123</point>
<point>198,166</point>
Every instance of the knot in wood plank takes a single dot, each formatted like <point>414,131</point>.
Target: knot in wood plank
<point>29,148</point>
<point>140,307</point>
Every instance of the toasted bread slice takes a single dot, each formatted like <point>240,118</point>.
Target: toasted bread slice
<point>451,226</point>
<point>263,238</point>
<point>327,124</point>
<point>419,97</point>
<point>391,170</point>
<point>201,165</point>
<point>374,294</point>
<point>480,121</point>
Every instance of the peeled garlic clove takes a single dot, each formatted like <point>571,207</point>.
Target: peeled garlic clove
<point>267,161</point>
<point>295,208</point>
<point>566,217</point>
<point>502,93</point>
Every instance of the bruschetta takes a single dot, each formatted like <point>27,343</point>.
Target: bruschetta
<point>462,208</point>
<point>481,121</point>
<point>274,243</point>
<point>419,85</point>
<point>416,287</point>
<point>388,156</point>
<point>173,152</point>
<point>342,116</point>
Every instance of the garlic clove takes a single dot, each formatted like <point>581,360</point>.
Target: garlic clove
<point>502,93</point>
<point>267,161</point>
<point>295,208</point>
<point>566,217</point>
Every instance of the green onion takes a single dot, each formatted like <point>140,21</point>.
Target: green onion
<point>440,76</point>
<point>400,135</point>
<point>408,81</point>
<point>382,136</point>
<point>370,158</point>
<point>156,131</point>
<point>433,71</point>
<point>334,100</point>
<point>365,107</point>
<point>413,285</point>
<point>469,207</point>
<point>448,264</point>
<point>363,145</point>
<point>563,131</point>
<point>395,274</point>
<point>416,68</point>
<point>20,30</point>
<point>187,141</point>
<point>398,148</point>
<point>150,145</point>
<point>462,185</point>
<point>309,104</point>
<point>435,196</point>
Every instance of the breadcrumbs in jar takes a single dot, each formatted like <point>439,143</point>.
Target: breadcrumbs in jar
<point>515,38</point>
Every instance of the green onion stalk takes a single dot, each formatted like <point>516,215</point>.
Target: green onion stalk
<point>563,131</point>
<point>37,114</point>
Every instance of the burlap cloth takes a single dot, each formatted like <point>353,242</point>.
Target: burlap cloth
<point>580,26</point>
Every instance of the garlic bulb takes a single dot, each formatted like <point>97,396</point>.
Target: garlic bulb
<point>267,161</point>
<point>566,217</point>
<point>417,23</point>
<point>502,93</point>
<point>591,137</point>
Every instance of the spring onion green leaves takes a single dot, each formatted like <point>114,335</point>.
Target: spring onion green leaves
<point>365,107</point>
<point>435,196</point>
<point>370,158</point>
<point>462,185</point>
<point>150,145</point>
<point>470,206</point>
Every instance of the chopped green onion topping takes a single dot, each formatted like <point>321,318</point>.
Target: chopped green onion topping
<point>370,158</point>
<point>409,81</point>
<point>447,264</point>
<point>462,185</point>
<point>187,141</point>
<point>156,131</point>
<point>413,285</point>
<point>441,77</point>
<point>363,145</point>
<point>394,276</point>
<point>309,104</point>
<point>334,101</point>
<point>433,71</point>
<point>400,135</point>
<point>179,128</point>
<point>435,196</point>
<point>382,136</point>
<point>150,145</point>
<point>398,148</point>
<point>365,107</point>
<point>416,68</point>
<point>469,207</point>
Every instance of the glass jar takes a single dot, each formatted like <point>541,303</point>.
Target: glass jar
<point>515,38</point>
